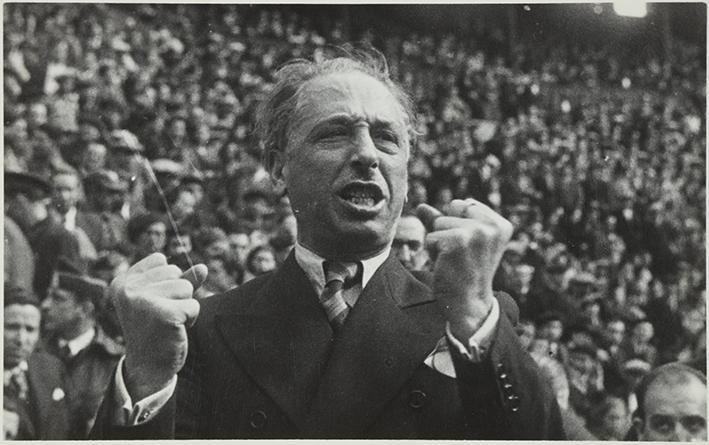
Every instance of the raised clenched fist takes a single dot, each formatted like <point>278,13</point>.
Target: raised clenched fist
<point>154,304</point>
<point>469,242</point>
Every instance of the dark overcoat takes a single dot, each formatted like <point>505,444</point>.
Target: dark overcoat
<point>263,363</point>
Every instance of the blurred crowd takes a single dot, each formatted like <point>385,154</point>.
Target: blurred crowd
<point>128,130</point>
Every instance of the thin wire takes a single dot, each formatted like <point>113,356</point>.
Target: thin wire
<point>173,224</point>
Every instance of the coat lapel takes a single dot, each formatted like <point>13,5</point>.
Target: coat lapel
<point>281,338</point>
<point>386,337</point>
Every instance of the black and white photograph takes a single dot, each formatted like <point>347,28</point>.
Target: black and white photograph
<point>355,221</point>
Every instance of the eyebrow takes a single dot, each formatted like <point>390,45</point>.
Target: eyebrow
<point>351,119</point>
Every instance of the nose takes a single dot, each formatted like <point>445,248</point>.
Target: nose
<point>404,253</point>
<point>45,304</point>
<point>366,155</point>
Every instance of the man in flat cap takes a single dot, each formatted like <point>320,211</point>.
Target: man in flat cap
<point>27,200</point>
<point>34,399</point>
<point>89,355</point>
<point>102,220</point>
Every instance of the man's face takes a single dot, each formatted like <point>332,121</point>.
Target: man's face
<point>239,246</point>
<point>153,239</point>
<point>345,166</point>
<point>675,412</point>
<point>21,333</point>
<point>61,311</point>
<point>616,331</point>
<point>65,192</point>
<point>408,245</point>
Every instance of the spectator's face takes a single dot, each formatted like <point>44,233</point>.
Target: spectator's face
<point>65,189</point>
<point>552,330</point>
<point>674,412</point>
<point>153,239</point>
<point>526,331</point>
<point>616,331</point>
<point>61,311</point>
<point>217,248</point>
<point>616,420</point>
<point>184,204</point>
<point>95,157</point>
<point>37,115</point>
<point>21,333</point>
<point>345,165</point>
<point>643,332</point>
<point>239,245</point>
<point>263,262</point>
<point>408,245</point>
<point>178,245</point>
<point>258,215</point>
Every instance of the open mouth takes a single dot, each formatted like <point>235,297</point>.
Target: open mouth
<point>362,196</point>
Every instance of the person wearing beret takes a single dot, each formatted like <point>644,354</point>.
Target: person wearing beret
<point>27,200</point>
<point>87,352</point>
<point>34,397</point>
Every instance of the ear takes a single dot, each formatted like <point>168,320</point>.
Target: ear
<point>275,163</point>
<point>638,425</point>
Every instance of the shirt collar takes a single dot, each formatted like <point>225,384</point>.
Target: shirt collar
<point>8,373</point>
<point>311,263</point>
<point>79,343</point>
<point>70,219</point>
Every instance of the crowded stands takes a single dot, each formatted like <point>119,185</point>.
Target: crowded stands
<point>129,130</point>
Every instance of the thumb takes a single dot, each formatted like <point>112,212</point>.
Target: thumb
<point>196,275</point>
<point>428,215</point>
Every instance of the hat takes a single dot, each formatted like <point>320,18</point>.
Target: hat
<point>637,365</point>
<point>584,348</point>
<point>547,316</point>
<point>18,295</point>
<point>34,187</point>
<point>125,140</point>
<point>84,287</point>
<point>193,177</point>
<point>583,278</point>
<point>119,44</point>
<point>140,223</point>
<point>167,166</point>
<point>515,247</point>
<point>106,180</point>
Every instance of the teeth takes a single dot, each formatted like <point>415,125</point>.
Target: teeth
<point>361,200</point>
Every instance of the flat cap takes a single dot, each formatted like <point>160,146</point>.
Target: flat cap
<point>84,287</point>
<point>106,180</point>
<point>125,140</point>
<point>33,186</point>
<point>18,295</point>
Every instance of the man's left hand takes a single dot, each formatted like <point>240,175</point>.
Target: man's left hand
<point>469,242</point>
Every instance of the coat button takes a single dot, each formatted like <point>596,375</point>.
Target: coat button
<point>417,399</point>
<point>503,376</point>
<point>257,420</point>
<point>389,362</point>
<point>513,403</point>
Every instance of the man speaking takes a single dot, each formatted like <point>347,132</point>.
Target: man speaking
<point>341,341</point>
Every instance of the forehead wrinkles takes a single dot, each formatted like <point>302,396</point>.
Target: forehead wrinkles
<point>356,94</point>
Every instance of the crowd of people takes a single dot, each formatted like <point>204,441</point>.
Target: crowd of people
<point>128,131</point>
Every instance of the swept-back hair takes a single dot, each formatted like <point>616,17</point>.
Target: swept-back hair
<point>275,113</point>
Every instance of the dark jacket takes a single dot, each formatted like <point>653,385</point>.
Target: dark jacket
<point>263,363</point>
<point>44,415</point>
<point>87,376</point>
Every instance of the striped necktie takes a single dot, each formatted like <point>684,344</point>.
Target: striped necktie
<point>331,298</point>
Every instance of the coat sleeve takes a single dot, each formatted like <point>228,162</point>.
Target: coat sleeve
<point>505,396</point>
<point>178,418</point>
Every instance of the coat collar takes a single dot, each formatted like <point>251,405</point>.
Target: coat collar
<point>282,338</point>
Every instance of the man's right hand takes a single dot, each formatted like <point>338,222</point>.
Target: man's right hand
<point>154,304</point>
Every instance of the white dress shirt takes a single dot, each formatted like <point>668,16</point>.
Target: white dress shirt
<point>128,413</point>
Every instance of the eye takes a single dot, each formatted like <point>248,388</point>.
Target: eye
<point>333,132</point>
<point>386,136</point>
<point>662,424</point>
<point>694,424</point>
